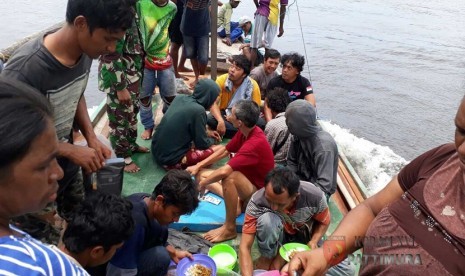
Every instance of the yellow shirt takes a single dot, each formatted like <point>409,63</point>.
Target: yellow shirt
<point>226,95</point>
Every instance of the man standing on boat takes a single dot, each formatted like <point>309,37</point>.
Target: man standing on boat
<point>155,17</point>
<point>291,80</point>
<point>195,27</point>
<point>58,65</point>
<point>119,77</point>
<point>285,210</point>
<point>235,85</point>
<point>313,154</point>
<point>243,174</point>
<point>266,24</point>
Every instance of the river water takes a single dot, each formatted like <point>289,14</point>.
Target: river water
<point>388,75</point>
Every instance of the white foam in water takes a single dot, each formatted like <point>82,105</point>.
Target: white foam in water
<point>91,110</point>
<point>375,164</point>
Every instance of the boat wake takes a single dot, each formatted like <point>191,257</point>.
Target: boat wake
<point>374,164</point>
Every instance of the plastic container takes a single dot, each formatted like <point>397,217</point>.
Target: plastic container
<point>224,255</point>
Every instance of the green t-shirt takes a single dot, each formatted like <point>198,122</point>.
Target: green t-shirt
<point>154,22</point>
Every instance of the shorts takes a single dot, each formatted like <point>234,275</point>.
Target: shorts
<point>196,47</point>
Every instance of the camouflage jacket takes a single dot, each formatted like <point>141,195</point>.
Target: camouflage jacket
<point>123,67</point>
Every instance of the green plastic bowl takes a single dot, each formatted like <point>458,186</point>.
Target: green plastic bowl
<point>290,247</point>
<point>224,255</point>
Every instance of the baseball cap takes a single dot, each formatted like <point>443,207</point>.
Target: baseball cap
<point>244,19</point>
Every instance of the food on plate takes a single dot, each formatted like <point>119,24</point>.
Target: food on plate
<point>198,270</point>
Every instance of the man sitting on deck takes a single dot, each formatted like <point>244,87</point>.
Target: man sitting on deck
<point>146,252</point>
<point>243,174</point>
<point>276,130</point>
<point>313,152</point>
<point>183,124</point>
<point>266,71</point>
<point>235,86</point>
<point>97,228</point>
<point>285,210</point>
<point>298,87</point>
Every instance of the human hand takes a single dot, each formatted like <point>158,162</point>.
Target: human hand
<point>311,262</point>
<point>180,254</point>
<point>102,150</point>
<point>87,158</point>
<point>214,134</point>
<point>312,245</point>
<point>221,128</point>
<point>193,170</point>
<point>281,31</point>
<point>124,97</point>
<point>227,41</point>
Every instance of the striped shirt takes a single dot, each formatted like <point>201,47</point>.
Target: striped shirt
<point>24,255</point>
<point>310,206</point>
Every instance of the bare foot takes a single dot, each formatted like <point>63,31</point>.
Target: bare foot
<point>184,69</point>
<point>141,149</point>
<point>220,234</point>
<point>131,168</point>
<point>179,76</point>
<point>147,134</point>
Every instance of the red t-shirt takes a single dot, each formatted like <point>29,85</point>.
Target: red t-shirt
<point>253,157</point>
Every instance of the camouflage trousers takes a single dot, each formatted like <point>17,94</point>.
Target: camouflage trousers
<point>45,225</point>
<point>123,121</point>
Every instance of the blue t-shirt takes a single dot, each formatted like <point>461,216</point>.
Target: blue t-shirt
<point>148,233</point>
<point>24,255</point>
<point>196,18</point>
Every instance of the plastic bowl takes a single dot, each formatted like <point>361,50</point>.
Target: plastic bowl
<point>224,256</point>
<point>201,259</point>
<point>290,247</point>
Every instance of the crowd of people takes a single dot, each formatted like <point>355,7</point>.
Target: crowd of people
<point>280,169</point>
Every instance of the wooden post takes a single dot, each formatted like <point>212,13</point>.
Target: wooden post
<point>214,39</point>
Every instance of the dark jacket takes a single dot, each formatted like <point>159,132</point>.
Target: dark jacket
<point>184,122</point>
<point>313,152</point>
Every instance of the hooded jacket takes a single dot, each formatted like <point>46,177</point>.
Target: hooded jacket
<point>313,152</point>
<point>184,122</point>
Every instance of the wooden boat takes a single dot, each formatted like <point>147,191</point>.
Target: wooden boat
<point>350,191</point>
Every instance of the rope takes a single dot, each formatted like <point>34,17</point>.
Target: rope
<point>303,40</point>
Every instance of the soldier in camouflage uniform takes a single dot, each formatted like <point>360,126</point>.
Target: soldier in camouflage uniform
<point>120,75</point>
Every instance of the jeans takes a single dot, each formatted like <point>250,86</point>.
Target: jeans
<point>270,231</point>
<point>154,262</point>
<point>166,82</point>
